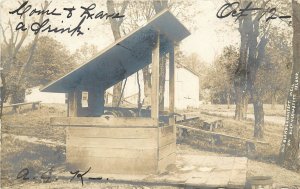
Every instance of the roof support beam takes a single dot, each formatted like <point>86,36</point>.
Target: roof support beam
<point>155,79</point>
<point>171,85</point>
<point>73,99</point>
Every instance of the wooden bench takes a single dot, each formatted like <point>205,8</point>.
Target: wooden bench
<point>216,137</point>
<point>209,124</point>
<point>17,107</point>
<point>212,124</point>
<point>183,118</point>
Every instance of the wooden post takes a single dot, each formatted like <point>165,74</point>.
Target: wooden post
<point>96,100</point>
<point>155,80</point>
<point>171,85</point>
<point>72,104</point>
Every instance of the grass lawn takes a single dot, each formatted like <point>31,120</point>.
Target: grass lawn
<point>29,141</point>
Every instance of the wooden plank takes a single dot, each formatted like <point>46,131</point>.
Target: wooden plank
<point>113,165</point>
<point>98,132</point>
<point>112,143</point>
<point>218,178</point>
<point>198,180</point>
<point>155,79</point>
<point>167,130</point>
<point>22,104</point>
<point>166,150</point>
<point>171,85</point>
<point>163,141</point>
<point>221,134</point>
<point>188,119</point>
<point>112,152</point>
<point>72,104</point>
<point>166,136</point>
<point>237,179</point>
<point>103,122</point>
<point>95,99</point>
<point>165,162</point>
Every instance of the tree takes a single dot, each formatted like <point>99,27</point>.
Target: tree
<point>115,27</point>
<point>277,67</point>
<point>289,155</point>
<point>84,53</point>
<point>13,73</point>
<point>51,61</point>
<point>219,79</point>
<point>254,39</point>
<point>138,13</point>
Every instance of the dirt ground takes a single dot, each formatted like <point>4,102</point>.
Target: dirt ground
<point>29,141</point>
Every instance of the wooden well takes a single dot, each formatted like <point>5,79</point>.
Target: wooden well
<point>118,145</point>
<point>121,145</point>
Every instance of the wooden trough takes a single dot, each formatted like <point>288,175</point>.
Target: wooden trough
<point>121,145</point>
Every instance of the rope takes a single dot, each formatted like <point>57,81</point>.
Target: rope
<point>122,93</point>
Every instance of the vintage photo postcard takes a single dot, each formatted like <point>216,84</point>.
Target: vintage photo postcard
<point>150,94</point>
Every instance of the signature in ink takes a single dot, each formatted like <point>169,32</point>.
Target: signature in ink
<point>46,177</point>
<point>79,175</point>
<point>234,10</point>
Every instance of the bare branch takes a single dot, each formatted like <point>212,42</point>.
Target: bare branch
<point>3,34</point>
<point>24,35</point>
<point>17,36</point>
<point>124,6</point>
<point>32,49</point>
<point>12,33</point>
<point>20,43</point>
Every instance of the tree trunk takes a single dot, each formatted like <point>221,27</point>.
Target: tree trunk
<point>245,102</point>
<point>162,79</point>
<point>241,72</point>
<point>147,85</point>
<point>2,93</point>
<point>273,100</point>
<point>115,27</point>
<point>228,100</point>
<point>289,151</point>
<point>239,105</point>
<point>289,155</point>
<point>18,94</point>
<point>258,115</point>
<point>117,94</point>
<point>284,104</point>
<point>117,87</point>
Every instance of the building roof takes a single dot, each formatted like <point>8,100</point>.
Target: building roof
<point>124,57</point>
<point>181,65</point>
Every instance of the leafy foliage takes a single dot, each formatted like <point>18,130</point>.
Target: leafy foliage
<point>51,60</point>
<point>220,76</point>
<point>84,53</point>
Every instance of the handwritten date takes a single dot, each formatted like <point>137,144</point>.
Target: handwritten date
<point>235,11</point>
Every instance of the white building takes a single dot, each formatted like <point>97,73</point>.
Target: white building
<point>34,94</point>
<point>186,89</point>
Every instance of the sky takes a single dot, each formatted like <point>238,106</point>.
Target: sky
<point>207,40</point>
